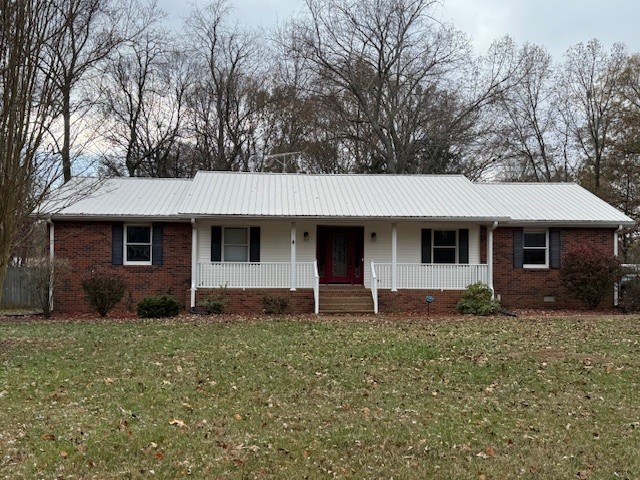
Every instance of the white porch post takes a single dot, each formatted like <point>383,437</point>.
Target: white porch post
<point>194,261</point>
<point>293,256</point>
<point>394,257</point>
<point>490,230</point>
<point>616,293</point>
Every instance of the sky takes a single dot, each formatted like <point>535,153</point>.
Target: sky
<point>555,24</point>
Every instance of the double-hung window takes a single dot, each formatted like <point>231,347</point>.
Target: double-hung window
<point>137,244</point>
<point>444,246</point>
<point>236,245</point>
<point>535,245</point>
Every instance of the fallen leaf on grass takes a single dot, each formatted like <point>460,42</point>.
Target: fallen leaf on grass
<point>64,454</point>
<point>159,456</point>
<point>48,437</point>
<point>237,416</point>
<point>177,423</point>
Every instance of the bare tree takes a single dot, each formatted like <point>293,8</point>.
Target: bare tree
<point>27,109</point>
<point>589,83</point>
<point>227,96</point>
<point>527,135</point>
<point>92,30</point>
<point>392,71</point>
<point>143,103</point>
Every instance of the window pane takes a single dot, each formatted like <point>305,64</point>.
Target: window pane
<point>235,236</point>
<point>138,234</point>
<point>138,253</point>
<point>444,255</point>
<point>535,256</point>
<point>234,253</point>
<point>538,239</point>
<point>444,238</point>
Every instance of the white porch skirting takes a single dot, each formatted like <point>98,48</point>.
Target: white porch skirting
<point>431,276</point>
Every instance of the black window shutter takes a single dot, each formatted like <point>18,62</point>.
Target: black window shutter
<point>216,244</point>
<point>117,246</point>
<point>254,244</point>
<point>463,248</point>
<point>156,247</point>
<point>554,248</point>
<point>518,248</point>
<point>426,245</point>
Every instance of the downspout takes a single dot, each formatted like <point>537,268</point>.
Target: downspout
<point>616,292</point>
<point>490,257</point>
<point>194,262</point>
<point>51,261</point>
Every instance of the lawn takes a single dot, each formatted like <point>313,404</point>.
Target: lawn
<point>300,398</point>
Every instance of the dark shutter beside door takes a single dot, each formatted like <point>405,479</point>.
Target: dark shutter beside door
<point>254,244</point>
<point>216,244</point>
<point>518,248</point>
<point>426,245</point>
<point>463,247</point>
<point>157,243</point>
<point>117,243</point>
<point>554,248</point>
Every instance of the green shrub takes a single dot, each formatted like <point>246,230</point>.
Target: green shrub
<point>630,295</point>
<point>104,292</point>
<point>213,306</point>
<point>274,305</point>
<point>589,274</point>
<point>215,303</point>
<point>160,306</point>
<point>476,300</point>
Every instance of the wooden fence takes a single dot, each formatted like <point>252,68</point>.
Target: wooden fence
<point>15,291</point>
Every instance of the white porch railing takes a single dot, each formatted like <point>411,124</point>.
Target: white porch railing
<point>431,276</point>
<point>256,275</point>
<point>374,287</point>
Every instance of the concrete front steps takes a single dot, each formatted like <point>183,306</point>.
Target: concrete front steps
<point>345,299</point>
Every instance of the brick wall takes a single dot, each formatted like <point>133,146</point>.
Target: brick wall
<point>87,247</point>
<point>415,301</point>
<point>249,301</point>
<point>527,288</point>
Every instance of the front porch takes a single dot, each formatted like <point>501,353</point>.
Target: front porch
<point>270,275</point>
<point>378,256</point>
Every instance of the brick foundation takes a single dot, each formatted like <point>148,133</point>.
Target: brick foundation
<point>249,301</point>
<point>527,288</point>
<point>87,247</point>
<point>444,301</point>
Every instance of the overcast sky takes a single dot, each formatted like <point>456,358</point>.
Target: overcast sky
<point>555,24</point>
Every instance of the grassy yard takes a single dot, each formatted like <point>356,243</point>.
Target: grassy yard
<point>347,398</point>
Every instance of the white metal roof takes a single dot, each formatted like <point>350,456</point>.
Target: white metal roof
<point>321,196</point>
<point>551,203</point>
<point>122,197</point>
<point>436,197</point>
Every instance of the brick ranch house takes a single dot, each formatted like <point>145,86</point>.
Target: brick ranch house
<point>376,243</point>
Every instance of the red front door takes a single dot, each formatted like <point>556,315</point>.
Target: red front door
<point>340,254</point>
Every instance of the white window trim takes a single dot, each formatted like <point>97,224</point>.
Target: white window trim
<point>124,244</point>
<point>546,249</point>
<point>455,247</point>
<point>224,244</point>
